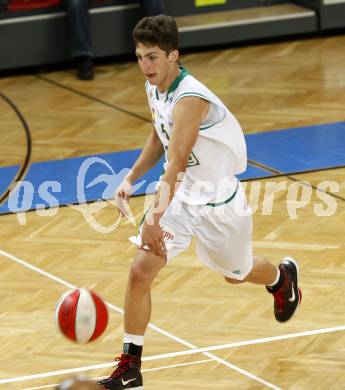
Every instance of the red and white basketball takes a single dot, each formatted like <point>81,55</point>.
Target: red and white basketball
<point>81,315</point>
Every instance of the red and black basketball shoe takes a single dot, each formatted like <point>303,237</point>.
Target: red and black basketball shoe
<point>288,296</point>
<point>127,375</point>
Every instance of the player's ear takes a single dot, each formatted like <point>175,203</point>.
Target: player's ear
<point>173,56</point>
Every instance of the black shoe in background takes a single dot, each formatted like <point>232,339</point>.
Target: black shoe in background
<point>85,68</point>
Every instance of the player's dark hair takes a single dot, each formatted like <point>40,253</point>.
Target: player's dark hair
<point>160,30</point>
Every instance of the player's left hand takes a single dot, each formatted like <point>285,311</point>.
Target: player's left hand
<point>152,237</point>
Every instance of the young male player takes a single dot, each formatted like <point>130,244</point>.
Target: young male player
<point>198,195</point>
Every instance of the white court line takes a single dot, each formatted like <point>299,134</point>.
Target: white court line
<point>246,342</point>
<point>147,370</point>
<point>177,354</point>
<point>290,245</point>
<point>157,329</point>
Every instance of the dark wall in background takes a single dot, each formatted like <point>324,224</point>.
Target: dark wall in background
<point>39,38</point>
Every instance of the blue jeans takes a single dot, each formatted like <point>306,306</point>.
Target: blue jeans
<point>79,27</point>
<point>79,22</point>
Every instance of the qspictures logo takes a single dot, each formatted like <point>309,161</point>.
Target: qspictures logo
<point>97,181</point>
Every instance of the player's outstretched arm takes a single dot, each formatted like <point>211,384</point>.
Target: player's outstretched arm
<point>150,155</point>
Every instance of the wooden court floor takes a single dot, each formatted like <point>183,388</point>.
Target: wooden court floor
<point>268,87</point>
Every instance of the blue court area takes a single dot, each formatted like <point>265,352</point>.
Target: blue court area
<point>300,149</point>
<point>89,178</point>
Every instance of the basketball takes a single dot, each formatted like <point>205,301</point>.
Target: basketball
<point>81,315</point>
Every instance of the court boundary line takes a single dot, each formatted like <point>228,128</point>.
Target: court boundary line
<point>288,174</point>
<point>154,327</point>
<point>24,167</point>
<point>93,98</point>
<point>180,353</point>
<point>276,173</point>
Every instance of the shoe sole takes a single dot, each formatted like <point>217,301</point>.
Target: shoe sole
<point>293,261</point>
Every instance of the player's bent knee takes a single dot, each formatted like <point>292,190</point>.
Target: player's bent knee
<point>144,269</point>
<point>140,275</point>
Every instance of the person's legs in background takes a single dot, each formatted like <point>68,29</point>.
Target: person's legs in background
<point>80,32</point>
<point>152,7</point>
<point>80,35</point>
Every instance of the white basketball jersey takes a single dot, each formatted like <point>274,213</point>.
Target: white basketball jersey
<point>220,150</point>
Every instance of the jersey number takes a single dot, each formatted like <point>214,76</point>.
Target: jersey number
<point>192,160</point>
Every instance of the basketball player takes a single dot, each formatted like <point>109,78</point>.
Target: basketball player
<point>198,195</point>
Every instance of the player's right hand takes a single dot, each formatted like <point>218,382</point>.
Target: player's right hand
<point>122,195</point>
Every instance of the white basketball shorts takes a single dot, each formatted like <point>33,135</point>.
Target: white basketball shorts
<point>223,234</point>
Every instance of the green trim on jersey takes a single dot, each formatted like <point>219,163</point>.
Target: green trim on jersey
<point>144,216</point>
<point>192,94</point>
<point>213,124</point>
<point>157,97</point>
<point>205,98</point>
<point>226,200</point>
<point>183,73</point>
<point>207,127</point>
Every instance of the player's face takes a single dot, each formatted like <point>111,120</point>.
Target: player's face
<point>155,64</point>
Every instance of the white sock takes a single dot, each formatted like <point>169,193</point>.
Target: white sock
<point>276,280</point>
<point>133,338</point>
